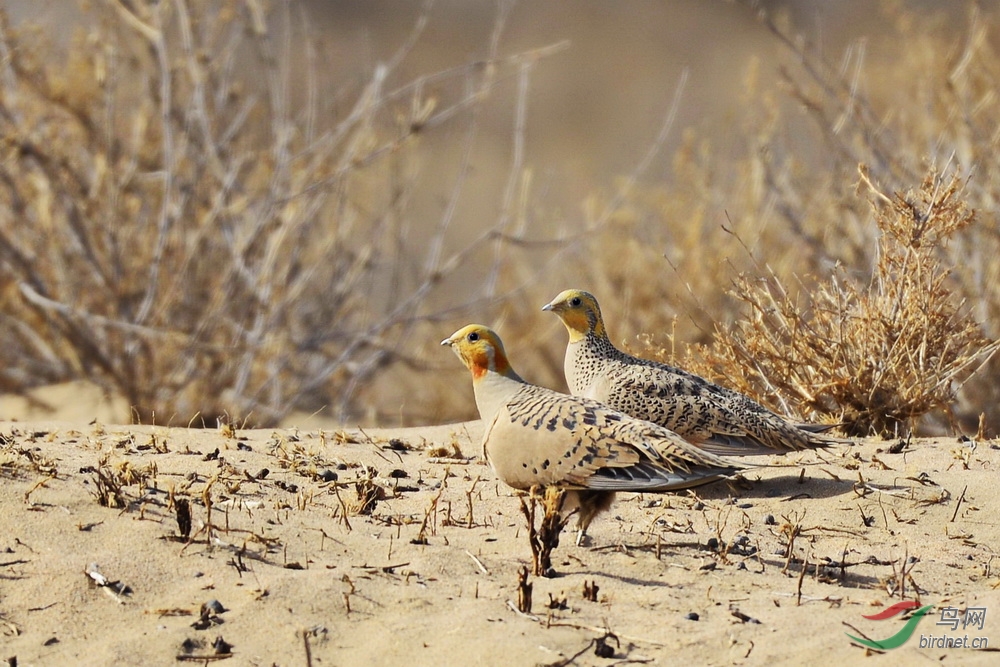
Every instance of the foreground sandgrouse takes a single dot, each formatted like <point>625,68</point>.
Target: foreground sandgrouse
<point>534,436</point>
<point>714,418</point>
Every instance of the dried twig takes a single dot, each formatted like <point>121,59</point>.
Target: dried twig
<point>958,504</point>
<point>479,563</point>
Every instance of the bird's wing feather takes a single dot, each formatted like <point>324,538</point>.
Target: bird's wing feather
<point>543,437</point>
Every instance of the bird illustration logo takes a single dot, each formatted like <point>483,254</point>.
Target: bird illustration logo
<point>901,637</point>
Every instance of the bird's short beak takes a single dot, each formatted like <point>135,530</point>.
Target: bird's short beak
<point>548,306</point>
<point>446,341</point>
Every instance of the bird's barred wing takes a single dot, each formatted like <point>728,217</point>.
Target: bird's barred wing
<point>543,437</point>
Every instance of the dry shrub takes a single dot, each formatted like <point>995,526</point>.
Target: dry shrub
<point>904,294</point>
<point>177,225</point>
<point>194,216</point>
<point>878,353</point>
<point>777,188</point>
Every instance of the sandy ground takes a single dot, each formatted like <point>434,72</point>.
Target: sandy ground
<point>307,574</point>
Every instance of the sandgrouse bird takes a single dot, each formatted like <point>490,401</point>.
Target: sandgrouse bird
<point>716,419</point>
<point>535,436</point>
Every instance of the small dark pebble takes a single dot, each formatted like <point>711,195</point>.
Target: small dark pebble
<point>264,472</point>
<point>692,616</point>
<point>398,474</point>
<point>212,607</point>
<point>897,447</point>
<point>397,445</point>
<point>741,566</point>
<point>769,520</point>
<point>603,650</point>
<point>328,475</point>
<point>709,566</point>
<point>713,544</point>
<point>341,466</point>
<point>698,506</point>
<point>741,546</point>
<point>190,645</point>
<point>745,506</point>
<point>205,622</point>
<point>50,641</point>
<point>221,646</point>
<point>244,447</point>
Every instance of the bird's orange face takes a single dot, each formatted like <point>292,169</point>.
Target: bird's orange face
<point>480,349</point>
<point>579,311</point>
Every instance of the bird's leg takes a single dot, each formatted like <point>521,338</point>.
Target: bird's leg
<point>528,510</point>
<point>546,537</point>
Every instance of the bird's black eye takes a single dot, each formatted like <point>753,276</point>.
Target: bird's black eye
<point>575,302</point>
<point>472,337</point>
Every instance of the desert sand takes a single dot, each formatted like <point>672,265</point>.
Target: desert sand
<point>312,546</point>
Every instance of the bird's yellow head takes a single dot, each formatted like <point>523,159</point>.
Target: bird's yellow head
<point>480,349</point>
<point>579,311</point>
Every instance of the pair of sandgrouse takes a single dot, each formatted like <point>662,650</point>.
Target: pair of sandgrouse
<point>631,424</point>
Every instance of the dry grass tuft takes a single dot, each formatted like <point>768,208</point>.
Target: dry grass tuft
<point>110,481</point>
<point>17,460</point>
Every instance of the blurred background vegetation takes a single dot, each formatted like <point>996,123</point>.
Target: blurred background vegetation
<point>271,212</point>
